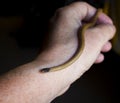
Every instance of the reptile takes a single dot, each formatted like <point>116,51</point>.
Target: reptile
<point>81,45</point>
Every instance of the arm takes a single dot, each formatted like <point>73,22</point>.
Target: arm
<point>25,84</point>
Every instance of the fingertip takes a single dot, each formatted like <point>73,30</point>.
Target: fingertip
<point>107,47</point>
<point>104,19</point>
<point>112,30</point>
<point>100,58</point>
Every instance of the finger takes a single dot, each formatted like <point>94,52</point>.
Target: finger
<point>71,16</point>
<point>84,11</point>
<point>107,47</point>
<point>104,19</point>
<point>79,10</point>
<point>100,58</point>
<point>101,33</point>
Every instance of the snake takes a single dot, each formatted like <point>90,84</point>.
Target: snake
<point>80,48</point>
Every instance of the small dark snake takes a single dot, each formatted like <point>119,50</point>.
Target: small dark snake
<point>80,48</point>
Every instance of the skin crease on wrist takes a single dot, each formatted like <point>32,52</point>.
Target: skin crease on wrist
<point>26,84</point>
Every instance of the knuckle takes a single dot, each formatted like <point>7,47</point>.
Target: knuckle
<point>82,3</point>
<point>59,11</point>
<point>71,9</point>
<point>111,30</point>
<point>59,14</point>
<point>64,12</point>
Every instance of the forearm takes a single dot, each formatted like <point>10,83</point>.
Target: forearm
<point>25,85</point>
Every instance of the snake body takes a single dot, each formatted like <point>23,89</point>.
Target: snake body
<point>81,41</point>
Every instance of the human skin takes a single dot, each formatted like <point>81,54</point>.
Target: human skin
<point>25,84</point>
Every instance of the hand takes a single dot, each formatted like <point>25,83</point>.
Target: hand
<point>26,84</point>
<point>63,42</point>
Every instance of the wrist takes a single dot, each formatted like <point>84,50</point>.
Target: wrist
<point>57,55</point>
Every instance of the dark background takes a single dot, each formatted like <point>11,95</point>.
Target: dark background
<point>23,27</point>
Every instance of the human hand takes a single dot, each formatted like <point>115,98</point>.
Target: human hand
<point>63,42</point>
